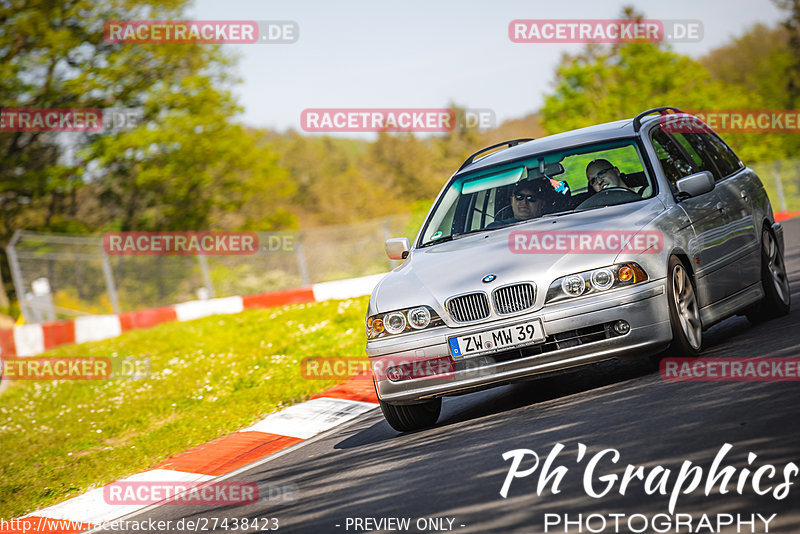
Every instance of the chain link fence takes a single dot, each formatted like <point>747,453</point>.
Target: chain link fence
<point>781,179</point>
<point>61,276</point>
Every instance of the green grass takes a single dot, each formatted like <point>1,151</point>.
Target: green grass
<point>210,377</point>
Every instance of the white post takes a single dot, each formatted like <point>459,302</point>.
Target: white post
<point>779,186</point>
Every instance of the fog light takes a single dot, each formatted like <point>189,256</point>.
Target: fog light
<point>394,374</point>
<point>622,327</point>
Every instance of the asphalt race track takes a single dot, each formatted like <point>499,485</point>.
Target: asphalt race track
<point>455,471</point>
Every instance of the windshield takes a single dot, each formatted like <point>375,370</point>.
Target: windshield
<point>561,182</point>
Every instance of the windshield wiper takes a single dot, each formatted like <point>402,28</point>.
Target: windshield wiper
<point>476,230</point>
<point>458,235</point>
<point>557,213</point>
<point>444,239</point>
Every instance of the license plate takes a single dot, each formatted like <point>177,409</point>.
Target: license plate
<point>517,335</point>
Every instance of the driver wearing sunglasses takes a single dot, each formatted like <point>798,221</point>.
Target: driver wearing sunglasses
<point>601,174</point>
<point>527,202</point>
<point>533,198</point>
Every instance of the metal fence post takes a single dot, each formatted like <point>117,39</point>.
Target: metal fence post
<point>112,289</point>
<point>779,186</point>
<point>201,259</point>
<point>301,260</point>
<point>16,275</point>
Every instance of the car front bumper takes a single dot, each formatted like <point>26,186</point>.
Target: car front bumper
<point>644,307</point>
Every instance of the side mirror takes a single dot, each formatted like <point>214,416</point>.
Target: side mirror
<point>695,184</point>
<point>397,248</point>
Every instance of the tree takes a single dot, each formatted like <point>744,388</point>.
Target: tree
<point>757,61</point>
<point>601,86</point>
<point>405,163</point>
<point>764,62</point>
<point>186,166</point>
<point>792,27</point>
<point>183,162</point>
<point>607,83</point>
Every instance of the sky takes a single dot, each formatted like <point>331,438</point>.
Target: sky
<point>427,54</point>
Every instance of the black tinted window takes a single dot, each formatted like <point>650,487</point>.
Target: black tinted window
<point>673,162</point>
<point>703,153</point>
<point>695,152</point>
<point>724,157</point>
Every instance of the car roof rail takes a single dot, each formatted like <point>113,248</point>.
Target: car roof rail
<point>511,143</point>
<point>637,121</point>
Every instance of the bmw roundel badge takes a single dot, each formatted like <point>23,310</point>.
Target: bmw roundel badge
<point>489,278</point>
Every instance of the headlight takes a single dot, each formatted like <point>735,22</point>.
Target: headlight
<point>394,322</point>
<point>402,321</point>
<point>574,286</point>
<point>595,281</point>
<point>602,279</point>
<point>419,318</point>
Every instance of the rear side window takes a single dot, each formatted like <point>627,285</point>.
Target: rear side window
<point>704,154</point>
<point>692,150</point>
<point>672,159</point>
<point>724,157</point>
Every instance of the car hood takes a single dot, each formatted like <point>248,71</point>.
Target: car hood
<point>433,274</point>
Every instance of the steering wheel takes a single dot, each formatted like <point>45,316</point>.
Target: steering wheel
<point>497,216</point>
<point>609,196</point>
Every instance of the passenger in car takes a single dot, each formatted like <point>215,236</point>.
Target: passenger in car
<point>601,174</point>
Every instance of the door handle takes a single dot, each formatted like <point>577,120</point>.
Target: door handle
<point>743,194</point>
<point>720,207</point>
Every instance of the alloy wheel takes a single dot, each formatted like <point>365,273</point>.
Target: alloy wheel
<point>686,306</point>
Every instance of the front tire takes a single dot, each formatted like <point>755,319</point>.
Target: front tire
<point>684,311</point>
<point>407,418</point>
<point>777,297</point>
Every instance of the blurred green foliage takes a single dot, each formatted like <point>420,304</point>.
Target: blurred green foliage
<point>755,71</point>
<point>190,166</point>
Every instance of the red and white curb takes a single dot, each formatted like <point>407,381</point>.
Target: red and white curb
<point>217,458</point>
<point>33,339</point>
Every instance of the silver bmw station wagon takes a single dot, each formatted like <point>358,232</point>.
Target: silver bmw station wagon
<point>620,240</point>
